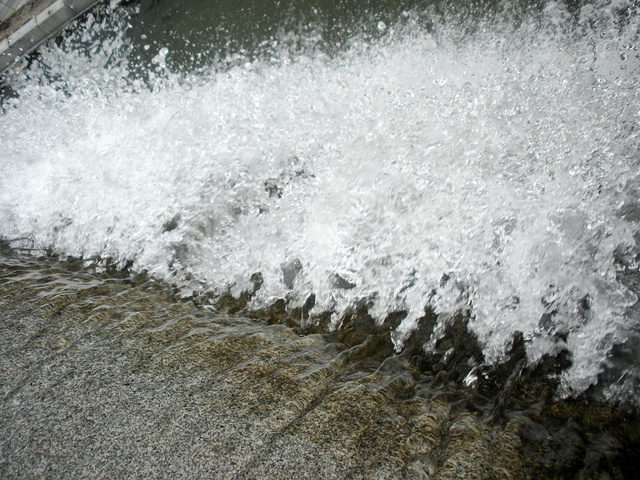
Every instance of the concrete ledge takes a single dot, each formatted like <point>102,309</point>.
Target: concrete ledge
<point>80,6</point>
<point>53,17</point>
<point>7,7</point>
<point>43,20</point>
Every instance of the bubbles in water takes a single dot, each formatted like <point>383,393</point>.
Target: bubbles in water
<point>494,172</point>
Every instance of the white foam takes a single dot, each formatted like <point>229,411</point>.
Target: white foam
<point>500,160</point>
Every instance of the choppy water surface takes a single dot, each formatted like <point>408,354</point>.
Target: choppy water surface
<point>410,157</point>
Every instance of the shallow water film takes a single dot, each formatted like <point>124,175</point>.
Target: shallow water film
<point>108,376</point>
<point>460,178</point>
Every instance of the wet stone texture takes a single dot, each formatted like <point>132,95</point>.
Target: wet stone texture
<point>108,376</point>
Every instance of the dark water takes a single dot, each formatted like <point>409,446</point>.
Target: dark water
<point>200,32</point>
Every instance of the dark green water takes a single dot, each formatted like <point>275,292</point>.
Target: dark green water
<point>201,33</point>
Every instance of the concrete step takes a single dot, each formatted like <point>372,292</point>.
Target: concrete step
<point>32,23</point>
<point>7,7</point>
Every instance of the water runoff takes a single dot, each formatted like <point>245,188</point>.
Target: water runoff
<point>416,156</point>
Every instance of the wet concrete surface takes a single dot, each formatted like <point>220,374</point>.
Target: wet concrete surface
<point>108,376</point>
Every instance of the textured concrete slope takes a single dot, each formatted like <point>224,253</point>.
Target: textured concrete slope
<point>33,23</point>
<point>109,377</point>
<point>7,7</point>
<point>104,379</point>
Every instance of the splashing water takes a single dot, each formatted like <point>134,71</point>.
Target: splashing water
<point>494,171</point>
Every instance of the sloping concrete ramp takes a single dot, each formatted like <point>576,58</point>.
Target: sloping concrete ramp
<point>7,7</point>
<point>32,23</point>
<point>108,376</point>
